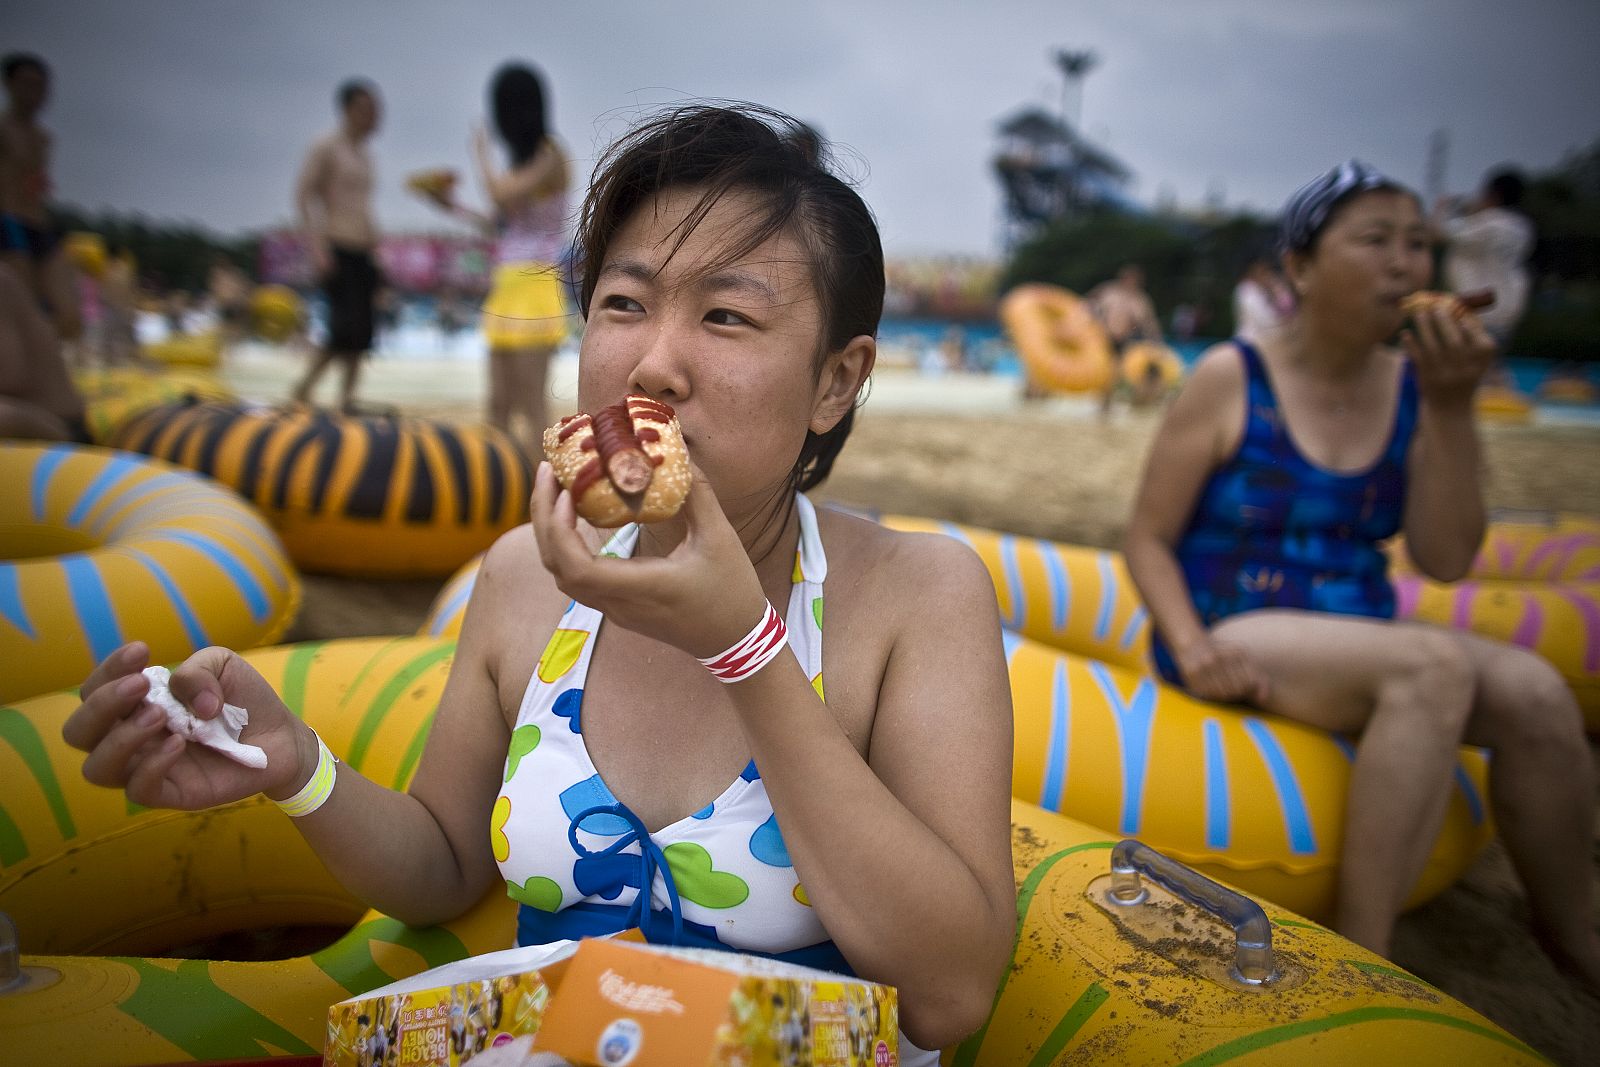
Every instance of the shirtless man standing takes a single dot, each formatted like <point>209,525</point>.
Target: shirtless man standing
<point>29,242</point>
<point>1125,310</point>
<point>334,199</point>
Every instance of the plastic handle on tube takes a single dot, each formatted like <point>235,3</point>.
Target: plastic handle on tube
<point>1252,932</point>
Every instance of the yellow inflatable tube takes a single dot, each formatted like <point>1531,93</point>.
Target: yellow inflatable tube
<point>1082,600</point>
<point>1094,981</point>
<point>1062,347</point>
<point>276,312</point>
<point>1146,362</point>
<point>113,395</point>
<point>196,350</point>
<point>1528,547</point>
<point>1252,799</point>
<point>99,890</point>
<point>99,547</point>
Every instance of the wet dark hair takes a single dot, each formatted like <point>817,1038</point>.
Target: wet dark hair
<point>724,149</point>
<point>18,61</point>
<point>516,97</point>
<point>351,89</point>
<point>1507,185</point>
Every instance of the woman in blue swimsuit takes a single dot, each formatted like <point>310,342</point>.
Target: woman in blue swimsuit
<point>1255,543</point>
<point>847,804</point>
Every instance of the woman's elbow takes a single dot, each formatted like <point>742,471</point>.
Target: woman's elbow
<point>953,1007</point>
<point>1444,565</point>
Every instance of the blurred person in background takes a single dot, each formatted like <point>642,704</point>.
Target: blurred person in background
<point>37,398</point>
<point>526,314</point>
<point>1487,244</point>
<point>334,202</point>
<point>228,289</point>
<point>1262,302</point>
<point>1128,315</point>
<point>29,240</point>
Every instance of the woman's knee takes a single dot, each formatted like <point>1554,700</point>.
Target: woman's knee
<point>1431,667</point>
<point>1531,707</point>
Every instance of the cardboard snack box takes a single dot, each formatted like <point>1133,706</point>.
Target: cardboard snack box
<point>447,1016</point>
<point>617,1003</point>
<point>631,1005</point>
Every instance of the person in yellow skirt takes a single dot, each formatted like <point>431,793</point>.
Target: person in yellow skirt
<point>526,314</point>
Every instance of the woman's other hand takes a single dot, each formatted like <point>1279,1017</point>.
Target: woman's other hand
<point>1451,354</point>
<point>130,748</point>
<point>1220,671</point>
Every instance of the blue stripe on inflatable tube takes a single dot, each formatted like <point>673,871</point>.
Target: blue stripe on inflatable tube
<point>93,606</point>
<point>127,494</point>
<point>11,606</point>
<point>1055,761</point>
<point>43,471</point>
<point>243,580</point>
<point>1296,822</point>
<point>950,529</point>
<point>1135,621</point>
<point>1216,786</point>
<point>1470,792</point>
<point>117,468</point>
<point>1108,595</point>
<point>1135,721</point>
<point>451,606</point>
<point>1060,586</point>
<point>180,603</point>
<point>1008,563</point>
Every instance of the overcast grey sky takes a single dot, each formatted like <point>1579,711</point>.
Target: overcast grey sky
<point>201,109</point>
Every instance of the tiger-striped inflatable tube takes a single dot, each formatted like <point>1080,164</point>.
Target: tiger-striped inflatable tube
<point>100,889</point>
<point>365,497</point>
<point>99,547</point>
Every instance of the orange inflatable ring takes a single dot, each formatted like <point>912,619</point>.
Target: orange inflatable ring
<point>1062,347</point>
<point>1499,403</point>
<point>1151,361</point>
<point>1568,390</point>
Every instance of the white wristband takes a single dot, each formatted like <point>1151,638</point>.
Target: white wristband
<point>315,792</point>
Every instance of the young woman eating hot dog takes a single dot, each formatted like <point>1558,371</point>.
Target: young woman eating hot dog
<point>849,790</point>
<point>1255,543</point>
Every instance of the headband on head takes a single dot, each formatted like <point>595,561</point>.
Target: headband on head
<point>1308,209</point>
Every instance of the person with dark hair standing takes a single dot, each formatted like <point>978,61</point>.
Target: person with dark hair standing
<point>1487,247</point>
<point>1256,538</point>
<point>851,792</point>
<point>29,240</point>
<point>334,200</point>
<point>525,316</point>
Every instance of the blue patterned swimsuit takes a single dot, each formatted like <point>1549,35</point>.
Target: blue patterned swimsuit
<point>1273,530</point>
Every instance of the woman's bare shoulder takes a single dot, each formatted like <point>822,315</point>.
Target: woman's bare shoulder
<point>897,569</point>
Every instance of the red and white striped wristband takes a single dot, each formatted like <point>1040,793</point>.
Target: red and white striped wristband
<point>753,652</point>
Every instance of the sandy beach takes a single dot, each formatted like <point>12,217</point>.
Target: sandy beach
<point>970,450</point>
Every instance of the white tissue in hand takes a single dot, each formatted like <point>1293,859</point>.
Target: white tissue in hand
<point>221,733</point>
